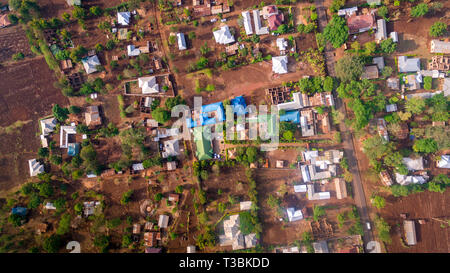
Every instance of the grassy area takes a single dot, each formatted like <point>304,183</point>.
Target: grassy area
<point>13,127</point>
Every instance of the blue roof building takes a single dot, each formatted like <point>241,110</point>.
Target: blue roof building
<point>20,211</point>
<point>210,114</point>
<point>292,116</point>
<point>239,106</point>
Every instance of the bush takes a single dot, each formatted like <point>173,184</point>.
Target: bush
<point>426,145</point>
<point>419,10</point>
<point>126,197</point>
<point>64,224</point>
<point>18,56</point>
<point>52,244</point>
<point>336,31</point>
<point>427,82</point>
<point>438,29</point>
<point>161,115</point>
<point>388,46</point>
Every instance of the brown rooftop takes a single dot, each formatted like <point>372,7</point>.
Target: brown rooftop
<point>360,23</point>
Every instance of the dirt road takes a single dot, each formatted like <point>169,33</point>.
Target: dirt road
<point>347,136</point>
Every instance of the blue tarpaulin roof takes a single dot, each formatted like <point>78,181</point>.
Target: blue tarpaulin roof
<point>239,106</point>
<point>292,116</point>
<point>19,210</point>
<point>219,117</point>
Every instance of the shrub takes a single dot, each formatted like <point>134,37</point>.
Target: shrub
<point>427,82</point>
<point>438,29</point>
<point>419,10</point>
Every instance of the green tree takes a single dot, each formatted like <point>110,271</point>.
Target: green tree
<point>318,212</point>
<point>419,10</point>
<point>43,152</point>
<point>102,242</point>
<point>438,29</point>
<point>161,115</point>
<point>383,12</point>
<point>64,224</point>
<point>336,31</point>
<point>383,229</point>
<point>379,202</point>
<point>252,154</point>
<point>415,105</point>
<point>349,67</point>
<point>95,10</point>
<point>388,46</point>
<point>126,197</point>
<point>426,145</point>
<point>328,84</point>
<point>427,82</point>
<point>52,244</point>
<point>60,113</point>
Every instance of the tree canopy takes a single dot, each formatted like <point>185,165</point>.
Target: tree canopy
<point>349,67</point>
<point>336,31</point>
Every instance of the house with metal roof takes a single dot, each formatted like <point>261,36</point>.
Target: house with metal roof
<point>181,41</point>
<point>223,35</point>
<point>394,36</point>
<point>313,195</point>
<point>295,104</point>
<point>73,2</point>
<point>35,167</point>
<point>282,44</point>
<point>259,29</point>
<point>405,180</point>
<point>294,215</point>
<point>245,205</point>
<point>275,21</point>
<point>171,148</point>
<point>320,247</point>
<point>300,188</point>
<point>347,11</point>
<point>67,136</point>
<point>92,116</point>
<point>247,22</point>
<point>393,83</point>
<point>204,150</point>
<point>410,232</point>
<point>444,162</point>
<point>279,65</point>
<point>124,18</point>
<point>133,51</point>
<point>413,164</point>
<point>406,65</point>
<point>374,2</point>
<point>341,188</point>
<point>149,85</point>
<point>190,249</point>
<point>360,23</point>
<point>163,221</point>
<point>391,108</point>
<point>370,72</point>
<point>48,125</point>
<point>381,33</point>
<point>90,64</point>
<point>437,46</point>
<point>379,61</point>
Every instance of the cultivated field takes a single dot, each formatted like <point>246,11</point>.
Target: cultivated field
<point>27,94</point>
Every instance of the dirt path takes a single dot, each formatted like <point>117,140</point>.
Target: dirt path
<point>347,137</point>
